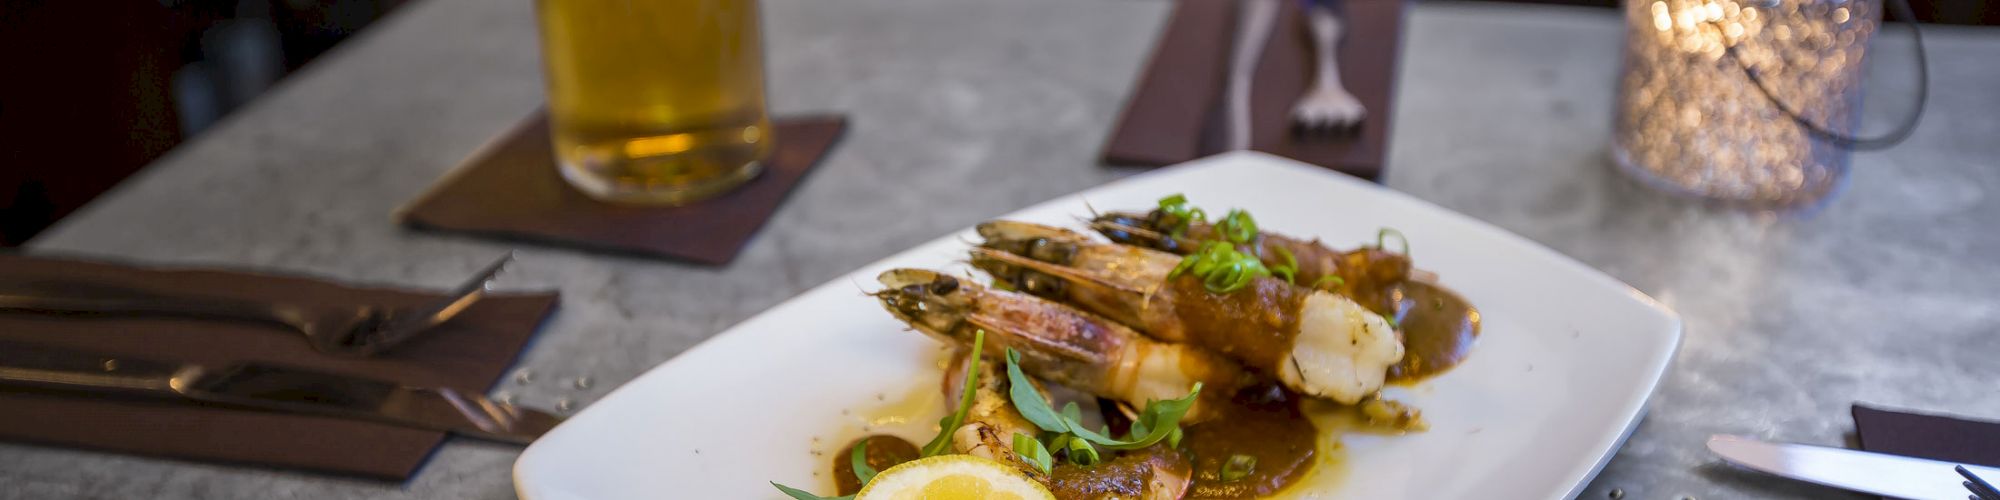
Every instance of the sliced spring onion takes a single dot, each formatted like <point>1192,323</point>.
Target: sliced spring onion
<point>1238,467</point>
<point>1382,236</point>
<point>1221,268</point>
<point>1237,227</point>
<point>1032,450</point>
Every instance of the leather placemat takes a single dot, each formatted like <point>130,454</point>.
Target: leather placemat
<point>468,353</point>
<point>1935,437</point>
<point>1174,113</point>
<point>511,189</point>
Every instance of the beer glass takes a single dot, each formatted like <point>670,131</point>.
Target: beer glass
<point>655,101</point>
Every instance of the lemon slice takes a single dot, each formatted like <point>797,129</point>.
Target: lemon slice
<point>952,477</point>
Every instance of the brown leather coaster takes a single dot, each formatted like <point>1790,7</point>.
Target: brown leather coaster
<point>510,189</point>
<point>1175,112</point>
<point>468,353</point>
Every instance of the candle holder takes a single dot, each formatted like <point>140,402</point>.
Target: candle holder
<point>1719,98</point>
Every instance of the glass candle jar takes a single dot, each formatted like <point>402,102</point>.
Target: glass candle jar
<point>1692,121</point>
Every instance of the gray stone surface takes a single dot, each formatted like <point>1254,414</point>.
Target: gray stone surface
<point>967,108</point>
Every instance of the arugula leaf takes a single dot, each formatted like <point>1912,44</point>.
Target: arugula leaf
<point>803,495</point>
<point>950,423</point>
<point>1029,400</point>
<point>859,459</point>
<point>1160,419</point>
<point>1072,412</point>
<point>1031,449</point>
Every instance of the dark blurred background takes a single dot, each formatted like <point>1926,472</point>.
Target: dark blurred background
<point>95,89</point>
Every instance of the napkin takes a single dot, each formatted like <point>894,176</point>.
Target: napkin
<point>511,189</point>
<point>1936,437</point>
<point>1175,113</point>
<point>468,353</point>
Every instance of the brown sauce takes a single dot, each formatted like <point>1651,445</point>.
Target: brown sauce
<point>1255,324</point>
<point>1154,471</point>
<point>1438,327</point>
<point>1264,423</point>
<point>884,451</point>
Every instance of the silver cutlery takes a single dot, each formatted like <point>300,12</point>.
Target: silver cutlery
<point>274,388</point>
<point>345,330</point>
<point>1327,105</point>
<point>1866,472</point>
<point>1981,490</point>
<point>1253,29</point>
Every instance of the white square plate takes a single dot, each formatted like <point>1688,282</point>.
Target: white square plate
<point>1565,363</point>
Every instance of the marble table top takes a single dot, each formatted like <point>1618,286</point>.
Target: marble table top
<point>963,109</point>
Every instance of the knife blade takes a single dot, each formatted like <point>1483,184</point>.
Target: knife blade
<point>272,387</point>
<point>1866,472</point>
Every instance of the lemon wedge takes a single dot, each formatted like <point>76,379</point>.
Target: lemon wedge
<point>952,477</point>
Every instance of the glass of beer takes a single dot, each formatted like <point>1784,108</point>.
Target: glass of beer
<point>655,101</point>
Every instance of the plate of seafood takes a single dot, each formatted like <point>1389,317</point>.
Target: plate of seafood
<point>1241,326</point>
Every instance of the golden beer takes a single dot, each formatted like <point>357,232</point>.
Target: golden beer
<point>655,101</point>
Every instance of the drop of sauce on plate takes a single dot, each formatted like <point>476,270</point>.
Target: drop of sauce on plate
<point>883,452</point>
<point>1439,329</point>
<point>1264,424</point>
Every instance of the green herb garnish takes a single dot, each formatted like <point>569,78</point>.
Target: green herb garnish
<point>1081,452</point>
<point>1382,237</point>
<point>1328,280</point>
<point>803,495</point>
<point>1238,467</point>
<point>1221,268</point>
<point>859,459</point>
<point>957,418</point>
<point>1178,215</point>
<point>1290,269</point>
<point>1160,420</point>
<point>1031,450</point>
<point>1237,227</point>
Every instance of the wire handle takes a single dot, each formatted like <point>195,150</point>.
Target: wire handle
<point>1847,141</point>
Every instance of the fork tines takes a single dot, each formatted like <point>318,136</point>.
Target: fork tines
<point>1981,490</point>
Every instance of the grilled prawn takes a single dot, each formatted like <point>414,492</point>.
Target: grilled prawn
<point>1366,274</point>
<point>1060,344</point>
<point>1157,472</point>
<point>991,422</point>
<point>1316,342</point>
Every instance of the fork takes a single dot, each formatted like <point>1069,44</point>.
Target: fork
<point>343,330</point>
<point>1327,105</point>
<point>1253,30</point>
<point>1980,489</point>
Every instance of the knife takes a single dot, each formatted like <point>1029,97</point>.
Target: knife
<point>271,387</point>
<point>1866,472</point>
